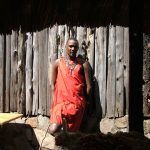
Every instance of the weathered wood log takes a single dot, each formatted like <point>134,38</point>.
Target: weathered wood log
<point>61,40</point>
<point>67,30</point>
<point>100,65</point>
<point>52,56</point>
<point>126,69</point>
<point>91,46</point>
<point>29,89</point>
<point>111,79</point>
<point>2,73</point>
<point>14,75</point>
<point>21,96</point>
<point>119,72</point>
<point>7,73</point>
<point>73,31</point>
<point>35,79</point>
<point>43,70</point>
<point>81,37</point>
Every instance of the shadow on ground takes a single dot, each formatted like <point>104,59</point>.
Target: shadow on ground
<point>15,136</point>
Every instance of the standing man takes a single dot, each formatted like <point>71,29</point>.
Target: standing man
<point>71,89</point>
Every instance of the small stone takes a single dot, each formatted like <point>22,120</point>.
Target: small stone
<point>148,135</point>
<point>43,122</point>
<point>33,122</point>
<point>146,125</point>
<point>121,122</point>
<point>45,139</point>
<point>106,125</point>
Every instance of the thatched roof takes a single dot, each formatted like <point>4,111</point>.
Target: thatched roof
<point>34,15</point>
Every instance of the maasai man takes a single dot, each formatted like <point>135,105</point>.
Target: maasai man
<point>71,88</point>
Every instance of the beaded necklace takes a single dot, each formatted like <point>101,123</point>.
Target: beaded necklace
<point>71,66</point>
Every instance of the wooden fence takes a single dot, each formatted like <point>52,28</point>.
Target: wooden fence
<point>26,59</point>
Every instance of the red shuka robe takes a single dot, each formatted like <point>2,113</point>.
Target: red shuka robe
<point>69,97</point>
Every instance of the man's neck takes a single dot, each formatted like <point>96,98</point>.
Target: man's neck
<point>71,58</point>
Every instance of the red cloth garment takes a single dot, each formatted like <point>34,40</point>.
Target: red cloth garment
<point>69,97</point>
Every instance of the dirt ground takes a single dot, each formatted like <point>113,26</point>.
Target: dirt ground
<point>31,133</point>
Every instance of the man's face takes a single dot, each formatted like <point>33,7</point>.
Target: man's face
<point>72,48</point>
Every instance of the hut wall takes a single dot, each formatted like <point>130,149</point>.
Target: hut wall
<point>26,60</point>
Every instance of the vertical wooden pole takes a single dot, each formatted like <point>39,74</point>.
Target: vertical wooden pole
<point>43,71</point>
<point>35,78</point>
<point>14,74</point>
<point>1,73</point>
<point>119,71</point>
<point>29,64</point>
<point>61,40</point>
<point>100,65</point>
<point>81,36</point>
<point>67,30</point>
<point>7,73</point>
<point>91,48</point>
<point>126,69</point>
<point>111,79</point>
<point>136,64</point>
<point>21,73</point>
<point>52,56</point>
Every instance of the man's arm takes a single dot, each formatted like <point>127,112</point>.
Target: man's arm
<point>54,76</point>
<point>88,79</point>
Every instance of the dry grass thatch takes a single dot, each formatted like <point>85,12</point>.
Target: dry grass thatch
<point>32,15</point>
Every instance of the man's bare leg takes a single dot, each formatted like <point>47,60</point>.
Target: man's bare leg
<point>54,128</point>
